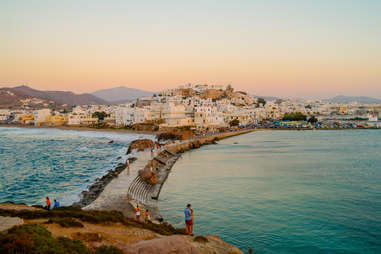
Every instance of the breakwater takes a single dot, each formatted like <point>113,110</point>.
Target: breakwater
<point>128,190</point>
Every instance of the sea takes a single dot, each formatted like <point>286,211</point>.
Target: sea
<point>40,162</point>
<point>315,191</point>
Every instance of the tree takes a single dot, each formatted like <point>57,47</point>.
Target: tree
<point>100,115</point>
<point>229,88</point>
<point>313,120</point>
<point>295,116</point>
<point>261,101</point>
<point>234,122</point>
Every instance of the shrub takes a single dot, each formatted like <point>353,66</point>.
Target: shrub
<point>66,222</point>
<point>94,217</point>
<point>234,122</point>
<point>88,237</point>
<point>108,250</point>
<point>72,245</point>
<point>36,239</point>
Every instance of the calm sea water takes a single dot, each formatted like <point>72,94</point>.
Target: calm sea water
<point>35,163</point>
<point>284,191</point>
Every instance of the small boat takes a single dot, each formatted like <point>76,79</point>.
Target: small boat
<point>372,117</point>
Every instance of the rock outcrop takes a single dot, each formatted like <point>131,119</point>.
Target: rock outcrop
<point>175,135</point>
<point>140,145</point>
<point>182,244</point>
<point>148,176</point>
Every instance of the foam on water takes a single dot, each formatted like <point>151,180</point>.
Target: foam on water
<point>283,191</point>
<point>58,163</point>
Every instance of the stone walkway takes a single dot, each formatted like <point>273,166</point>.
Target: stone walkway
<point>9,222</point>
<point>114,196</point>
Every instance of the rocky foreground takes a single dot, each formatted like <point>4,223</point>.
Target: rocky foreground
<point>27,229</point>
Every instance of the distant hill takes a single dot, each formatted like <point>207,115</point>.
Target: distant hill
<point>349,99</point>
<point>266,98</point>
<point>12,96</point>
<point>121,94</point>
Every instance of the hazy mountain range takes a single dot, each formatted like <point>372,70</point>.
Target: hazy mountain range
<point>13,97</point>
<point>122,94</point>
<point>349,99</point>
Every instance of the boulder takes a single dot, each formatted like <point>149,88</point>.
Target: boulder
<point>170,244</point>
<point>182,244</point>
<point>140,145</point>
<point>175,135</point>
<point>148,176</point>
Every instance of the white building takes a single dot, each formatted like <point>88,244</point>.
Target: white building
<point>208,116</point>
<point>124,116</point>
<point>176,115</point>
<point>41,116</point>
<point>4,114</point>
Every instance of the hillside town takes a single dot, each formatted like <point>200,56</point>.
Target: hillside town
<point>199,107</point>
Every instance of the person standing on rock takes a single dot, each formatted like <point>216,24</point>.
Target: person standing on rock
<point>47,207</point>
<point>188,219</point>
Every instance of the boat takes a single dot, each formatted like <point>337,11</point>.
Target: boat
<point>372,117</point>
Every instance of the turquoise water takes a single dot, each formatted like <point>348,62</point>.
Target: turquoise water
<point>35,163</point>
<point>284,191</point>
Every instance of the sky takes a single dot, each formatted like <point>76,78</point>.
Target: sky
<point>286,48</point>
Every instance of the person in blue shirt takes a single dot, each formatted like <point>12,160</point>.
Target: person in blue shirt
<point>56,204</point>
<point>188,219</point>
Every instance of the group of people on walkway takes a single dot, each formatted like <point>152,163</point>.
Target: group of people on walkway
<point>48,204</point>
<point>143,213</point>
<point>155,150</point>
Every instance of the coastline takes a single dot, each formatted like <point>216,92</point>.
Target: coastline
<point>81,128</point>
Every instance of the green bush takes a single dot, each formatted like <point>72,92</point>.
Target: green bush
<point>108,250</point>
<point>66,222</point>
<point>36,239</point>
<point>234,122</point>
<point>294,116</point>
<point>94,217</point>
<point>72,245</point>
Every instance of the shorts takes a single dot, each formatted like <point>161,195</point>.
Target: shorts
<point>189,222</point>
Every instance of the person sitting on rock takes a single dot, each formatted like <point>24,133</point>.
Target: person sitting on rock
<point>56,204</point>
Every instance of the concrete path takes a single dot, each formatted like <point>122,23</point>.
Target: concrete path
<point>114,196</point>
<point>9,222</point>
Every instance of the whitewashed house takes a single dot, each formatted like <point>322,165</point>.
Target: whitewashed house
<point>41,116</point>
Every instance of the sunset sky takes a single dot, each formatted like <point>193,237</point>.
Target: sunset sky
<point>287,48</point>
